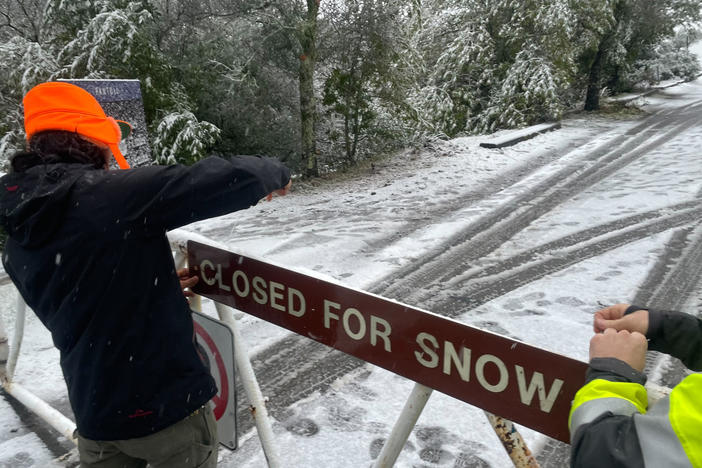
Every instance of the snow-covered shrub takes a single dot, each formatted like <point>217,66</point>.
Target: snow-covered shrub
<point>671,59</point>
<point>530,92</point>
<point>182,139</point>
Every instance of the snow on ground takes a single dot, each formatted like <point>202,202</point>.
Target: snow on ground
<point>347,230</point>
<point>554,313</point>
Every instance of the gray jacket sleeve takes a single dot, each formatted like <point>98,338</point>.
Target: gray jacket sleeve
<point>610,439</point>
<point>613,439</point>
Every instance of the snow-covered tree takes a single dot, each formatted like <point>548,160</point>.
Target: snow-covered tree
<point>110,41</point>
<point>293,24</point>
<point>503,63</point>
<point>361,44</point>
<point>531,91</point>
<point>182,138</point>
<point>25,64</point>
<point>118,42</point>
<point>242,82</point>
<point>459,52</point>
<point>621,32</point>
<point>671,59</point>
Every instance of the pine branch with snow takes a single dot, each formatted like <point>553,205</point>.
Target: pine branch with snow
<point>182,139</point>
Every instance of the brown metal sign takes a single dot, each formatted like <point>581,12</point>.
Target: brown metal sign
<point>525,384</point>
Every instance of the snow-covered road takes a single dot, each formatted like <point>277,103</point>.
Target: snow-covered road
<point>526,241</point>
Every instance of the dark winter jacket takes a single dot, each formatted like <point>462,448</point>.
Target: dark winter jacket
<point>88,252</point>
<point>611,424</point>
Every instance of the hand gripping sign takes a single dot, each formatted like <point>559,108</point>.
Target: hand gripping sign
<point>525,384</point>
<point>215,345</point>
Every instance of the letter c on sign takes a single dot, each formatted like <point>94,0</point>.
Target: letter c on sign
<point>203,265</point>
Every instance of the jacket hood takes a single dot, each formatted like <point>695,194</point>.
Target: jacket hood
<point>33,203</point>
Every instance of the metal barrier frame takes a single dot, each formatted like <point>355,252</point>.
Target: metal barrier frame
<point>8,363</point>
<point>510,438</point>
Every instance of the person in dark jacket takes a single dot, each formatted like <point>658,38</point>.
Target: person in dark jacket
<point>88,252</point>
<point>611,423</point>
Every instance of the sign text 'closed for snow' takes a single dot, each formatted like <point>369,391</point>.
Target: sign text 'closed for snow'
<point>525,384</point>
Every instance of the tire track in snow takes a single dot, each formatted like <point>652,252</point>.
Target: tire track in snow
<point>495,282</point>
<point>668,285</point>
<point>311,366</point>
<point>488,233</point>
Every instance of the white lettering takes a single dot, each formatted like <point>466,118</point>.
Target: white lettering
<point>433,360</point>
<point>462,365</point>
<point>537,384</point>
<point>292,294</point>
<point>222,286</point>
<point>361,324</point>
<point>328,314</point>
<point>235,281</point>
<point>259,287</point>
<point>204,264</point>
<point>480,374</point>
<point>275,295</point>
<point>375,333</point>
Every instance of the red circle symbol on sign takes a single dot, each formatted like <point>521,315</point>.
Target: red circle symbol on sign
<point>221,398</point>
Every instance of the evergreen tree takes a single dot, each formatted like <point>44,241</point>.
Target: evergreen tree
<point>671,59</point>
<point>25,63</point>
<point>460,61</point>
<point>361,42</point>
<point>181,138</point>
<point>534,39</point>
<point>502,63</point>
<point>294,24</point>
<point>620,32</point>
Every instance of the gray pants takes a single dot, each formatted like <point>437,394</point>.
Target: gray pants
<point>190,443</point>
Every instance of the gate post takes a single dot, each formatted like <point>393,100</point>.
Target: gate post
<point>18,335</point>
<point>4,352</point>
<point>513,442</point>
<point>404,425</point>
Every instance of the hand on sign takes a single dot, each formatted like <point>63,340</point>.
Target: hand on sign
<point>623,345</point>
<point>613,317</point>
<point>187,281</point>
<point>281,192</point>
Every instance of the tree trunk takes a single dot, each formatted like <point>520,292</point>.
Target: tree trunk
<point>592,97</point>
<point>308,112</point>
<point>347,139</point>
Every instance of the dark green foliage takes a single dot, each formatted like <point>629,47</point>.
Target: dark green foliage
<point>631,33</point>
<point>323,85</point>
